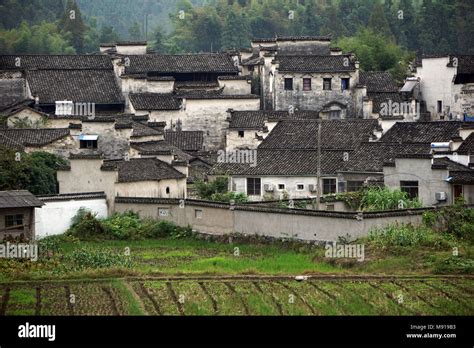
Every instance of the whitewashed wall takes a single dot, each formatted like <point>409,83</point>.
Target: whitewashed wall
<point>55,217</point>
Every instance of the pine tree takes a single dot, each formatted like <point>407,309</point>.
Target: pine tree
<point>378,22</point>
<point>72,22</point>
<point>135,32</point>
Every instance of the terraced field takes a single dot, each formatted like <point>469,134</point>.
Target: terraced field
<point>243,296</point>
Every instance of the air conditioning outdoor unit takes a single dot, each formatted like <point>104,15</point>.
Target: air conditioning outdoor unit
<point>440,196</point>
<point>268,187</point>
<point>312,188</point>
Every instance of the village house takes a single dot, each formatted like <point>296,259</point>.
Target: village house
<point>133,177</point>
<point>17,214</point>
<point>446,86</point>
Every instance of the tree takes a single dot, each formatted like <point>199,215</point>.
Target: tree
<point>207,24</point>
<point>159,40</point>
<point>378,22</point>
<point>236,31</point>
<point>135,32</point>
<point>72,22</point>
<point>108,34</point>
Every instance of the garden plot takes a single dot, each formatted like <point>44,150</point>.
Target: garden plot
<point>95,299</point>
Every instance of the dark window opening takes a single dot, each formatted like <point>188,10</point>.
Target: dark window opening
<point>14,222</point>
<point>344,83</point>
<point>327,84</point>
<point>241,133</point>
<point>329,186</point>
<point>300,187</point>
<point>457,191</point>
<point>281,186</point>
<point>253,186</point>
<point>306,84</point>
<point>410,187</point>
<point>354,185</point>
<point>440,106</point>
<point>167,190</point>
<point>88,144</point>
<point>335,114</point>
<point>288,84</point>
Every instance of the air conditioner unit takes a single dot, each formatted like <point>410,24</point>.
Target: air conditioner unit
<point>268,187</point>
<point>312,188</point>
<point>441,196</point>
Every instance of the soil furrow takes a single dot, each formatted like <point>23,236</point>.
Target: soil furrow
<point>232,289</point>
<point>208,294</point>
<point>175,298</point>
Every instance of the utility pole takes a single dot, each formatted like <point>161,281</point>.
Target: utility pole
<point>318,176</point>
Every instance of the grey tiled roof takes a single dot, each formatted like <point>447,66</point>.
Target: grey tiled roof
<point>185,63</point>
<point>285,162</point>
<point>372,156</point>
<point>378,98</point>
<point>142,169</point>
<point>185,140</point>
<point>459,174</point>
<point>18,199</point>
<point>467,146</point>
<point>313,63</point>
<point>256,119</point>
<point>155,101</point>
<point>85,86</point>
<point>142,130</point>
<point>32,137</point>
<point>60,62</point>
<point>422,132</point>
<point>335,134</point>
<point>160,147</point>
<point>378,81</point>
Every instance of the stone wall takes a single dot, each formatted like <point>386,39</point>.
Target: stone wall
<point>222,219</point>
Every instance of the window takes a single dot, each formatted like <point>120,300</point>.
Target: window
<point>306,84</point>
<point>440,106</point>
<point>241,133</point>
<point>327,84</point>
<point>345,83</point>
<point>88,144</point>
<point>167,190</point>
<point>281,187</point>
<point>353,186</point>
<point>14,222</point>
<point>288,84</point>
<point>329,186</point>
<point>253,186</point>
<point>299,187</point>
<point>410,187</point>
<point>335,114</point>
<point>457,191</point>
<point>198,213</point>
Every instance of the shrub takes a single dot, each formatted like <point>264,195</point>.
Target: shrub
<point>88,227</point>
<point>123,226</point>
<point>157,229</point>
<point>382,198</point>
<point>51,245</point>
<point>402,236</point>
<point>206,189</point>
<point>455,264</point>
<point>85,258</point>
<point>237,197</point>
<point>457,220</point>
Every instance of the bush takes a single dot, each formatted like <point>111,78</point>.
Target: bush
<point>87,227</point>
<point>123,226</point>
<point>382,198</point>
<point>457,220</point>
<point>455,264</point>
<point>84,258</point>
<point>153,229</point>
<point>404,236</point>
<point>50,246</point>
<point>229,196</point>
<point>206,189</point>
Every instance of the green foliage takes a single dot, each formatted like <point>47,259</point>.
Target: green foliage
<point>456,219</point>
<point>382,198</point>
<point>396,237</point>
<point>236,197</point>
<point>205,190</point>
<point>35,172</point>
<point>85,258</point>
<point>122,226</point>
<point>455,264</point>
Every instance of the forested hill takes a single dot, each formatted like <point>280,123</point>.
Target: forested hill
<point>174,26</point>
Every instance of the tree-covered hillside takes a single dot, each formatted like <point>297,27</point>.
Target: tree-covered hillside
<point>422,26</point>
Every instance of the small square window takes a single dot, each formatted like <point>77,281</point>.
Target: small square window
<point>281,187</point>
<point>198,213</point>
<point>327,84</point>
<point>306,84</point>
<point>241,133</point>
<point>345,84</point>
<point>288,84</point>
<point>329,186</point>
<point>299,187</point>
<point>14,222</point>
<point>410,187</point>
<point>88,144</point>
